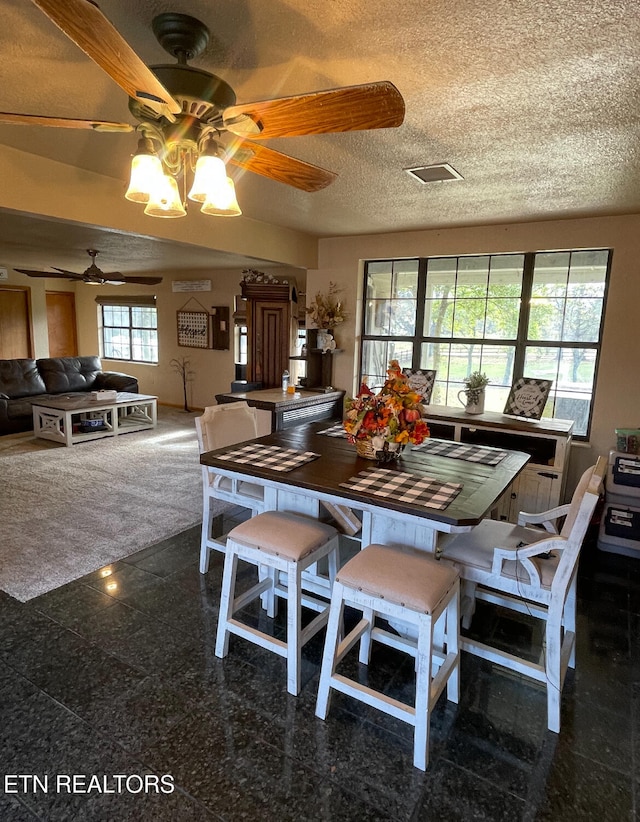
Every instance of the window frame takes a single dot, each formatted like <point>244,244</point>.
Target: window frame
<point>521,342</point>
<point>128,303</point>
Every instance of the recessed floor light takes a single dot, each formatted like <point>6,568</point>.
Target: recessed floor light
<point>438,173</point>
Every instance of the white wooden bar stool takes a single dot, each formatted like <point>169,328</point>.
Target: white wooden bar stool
<point>277,542</point>
<point>418,591</point>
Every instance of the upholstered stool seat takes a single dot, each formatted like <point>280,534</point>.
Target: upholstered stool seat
<point>409,588</point>
<point>278,543</point>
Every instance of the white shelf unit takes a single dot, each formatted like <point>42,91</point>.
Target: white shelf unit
<point>541,484</point>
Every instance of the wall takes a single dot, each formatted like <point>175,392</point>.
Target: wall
<point>37,185</point>
<point>617,400</point>
<point>213,370</point>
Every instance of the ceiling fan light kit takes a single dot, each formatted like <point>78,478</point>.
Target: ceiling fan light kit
<point>164,198</point>
<point>145,167</point>
<point>186,114</point>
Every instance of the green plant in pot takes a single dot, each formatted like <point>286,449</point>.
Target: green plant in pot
<point>475,384</point>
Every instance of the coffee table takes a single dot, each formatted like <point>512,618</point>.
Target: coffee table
<point>69,420</point>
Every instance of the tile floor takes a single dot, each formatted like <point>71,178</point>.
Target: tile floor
<point>115,675</point>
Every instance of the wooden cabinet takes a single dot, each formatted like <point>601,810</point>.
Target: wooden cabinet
<point>319,367</point>
<point>542,483</point>
<point>271,311</point>
<point>317,363</point>
<point>287,410</point>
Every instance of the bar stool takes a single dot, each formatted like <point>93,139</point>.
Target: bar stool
<point>412,588</point>
<point>277,542</point>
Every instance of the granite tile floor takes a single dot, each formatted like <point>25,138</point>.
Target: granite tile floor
<point>114,676</point>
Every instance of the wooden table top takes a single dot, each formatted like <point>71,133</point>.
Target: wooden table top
<point>276,398</point>
<point>482,484</point>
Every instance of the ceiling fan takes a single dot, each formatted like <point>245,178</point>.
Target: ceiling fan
<point>92,275</point>
<point>184,108</point>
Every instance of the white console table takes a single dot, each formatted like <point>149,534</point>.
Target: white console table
<point>61,419</point>
<point>541,484</point>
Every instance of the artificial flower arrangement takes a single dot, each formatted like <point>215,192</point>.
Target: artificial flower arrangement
<point>327,310</point>
<point>391,416</point>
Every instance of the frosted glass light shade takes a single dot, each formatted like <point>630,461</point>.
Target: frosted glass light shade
<point>225,204</point>
<point>146,170</point>
<point>165,200</point>
<point>210,177</point>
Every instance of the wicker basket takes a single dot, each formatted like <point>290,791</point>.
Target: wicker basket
<point>365,449</point>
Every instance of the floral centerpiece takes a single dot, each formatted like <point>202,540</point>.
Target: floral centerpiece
<point>327,310</point>
<point>383,423</point>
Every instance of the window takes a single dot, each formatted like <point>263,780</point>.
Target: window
<point>509,315</point>
<point>129,328</point>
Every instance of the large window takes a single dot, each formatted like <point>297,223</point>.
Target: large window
<point>509,315</point>
<point>129,328</point>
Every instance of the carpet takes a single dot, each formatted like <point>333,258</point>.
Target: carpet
<point>65,512</point>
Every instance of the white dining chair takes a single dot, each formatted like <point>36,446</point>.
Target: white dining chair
<point>222,425</point>
<point>532,571</point>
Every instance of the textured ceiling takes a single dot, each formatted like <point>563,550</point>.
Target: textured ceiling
<point>535,104</point>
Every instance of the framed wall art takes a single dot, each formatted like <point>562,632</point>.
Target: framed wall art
<point>193,326</point>
<point>421,381</point>
<point>528,397</point>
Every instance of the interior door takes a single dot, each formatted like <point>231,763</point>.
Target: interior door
<point>269,343</point>
<point>15,323</point>
<point>61,322</point>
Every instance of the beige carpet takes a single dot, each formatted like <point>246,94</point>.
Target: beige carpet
<point>65,512</point>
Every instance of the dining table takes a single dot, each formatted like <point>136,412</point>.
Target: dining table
<point>431,490</point>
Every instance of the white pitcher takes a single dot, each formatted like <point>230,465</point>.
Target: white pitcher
<point>473,401</point>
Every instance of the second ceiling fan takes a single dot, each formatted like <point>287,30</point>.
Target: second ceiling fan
<point>184,109</point>
<point>92,275</point>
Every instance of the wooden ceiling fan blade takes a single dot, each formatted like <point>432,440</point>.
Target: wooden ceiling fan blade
<point>140,280</point>
<point>280,167</point>
<point>66,274</point>
<point>84,23</point>
<point>352,108</point>
<point>62,122</point>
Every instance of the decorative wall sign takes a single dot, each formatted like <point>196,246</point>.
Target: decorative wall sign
<point>528,398</point>
<point>193,326</point>
<point>191,285</point>
<point>421,382</point>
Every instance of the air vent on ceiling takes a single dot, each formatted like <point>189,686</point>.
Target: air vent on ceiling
<point>434,174</point>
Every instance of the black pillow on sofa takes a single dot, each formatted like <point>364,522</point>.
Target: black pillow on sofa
<point>62,374</point>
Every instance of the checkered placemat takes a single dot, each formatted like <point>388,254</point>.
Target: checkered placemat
<point>269,456</point>
<point>403,487</point>
<point>335,431</point>
<point>457,451</point>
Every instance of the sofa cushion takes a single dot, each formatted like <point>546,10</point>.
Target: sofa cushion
<point>20,378</point>
<point>23,406</point>
<point>63,374</point>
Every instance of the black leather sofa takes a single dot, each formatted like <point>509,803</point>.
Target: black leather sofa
<point>26,382</point>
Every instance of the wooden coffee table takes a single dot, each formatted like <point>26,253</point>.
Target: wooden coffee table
<point>69,420</point>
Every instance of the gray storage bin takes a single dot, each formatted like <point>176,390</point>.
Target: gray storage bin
<point>619,531</point>
<point>623,475</point>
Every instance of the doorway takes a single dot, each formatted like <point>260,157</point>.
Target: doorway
<point>15,323</point>
<point>61,324</point>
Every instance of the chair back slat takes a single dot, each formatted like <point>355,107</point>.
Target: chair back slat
<point>576,499</point>
<point>583,503</point>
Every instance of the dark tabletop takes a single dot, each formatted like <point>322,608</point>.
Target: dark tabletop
<point>482,484</point>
